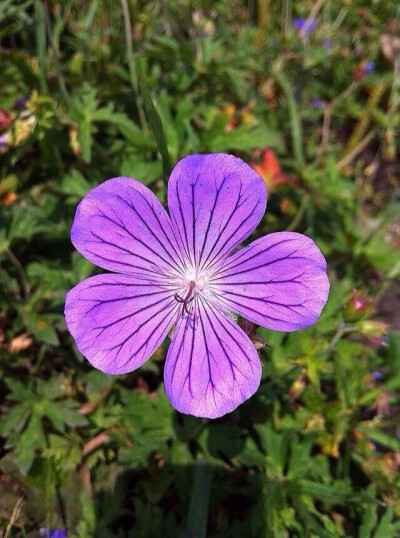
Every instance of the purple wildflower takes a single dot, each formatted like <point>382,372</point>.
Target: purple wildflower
<point>20,101</point>
<point>298,23</point>
<point>182,269</point>
<point>304,25</point>
<point>376,374</point>
<point>316,102</point>
<point>326,42</point>
<point>58,533</point>
<point>53,533</point>
<point>369,66</point>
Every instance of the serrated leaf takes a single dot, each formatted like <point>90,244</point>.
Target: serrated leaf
<point>31,437</point>
<point>145,172</point>
<point>385,529</point>
<point>241,138</point>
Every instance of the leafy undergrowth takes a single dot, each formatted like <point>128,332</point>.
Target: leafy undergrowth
<point>315,109</point>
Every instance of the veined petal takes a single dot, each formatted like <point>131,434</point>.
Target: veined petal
<point>118,321</point>
<point>215,201</point>
<point>121,226</point>
<point>278,281</point>
<point>211,366</point>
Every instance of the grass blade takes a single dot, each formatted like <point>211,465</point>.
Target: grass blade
<point>41,43</point>
<point>156,127</point>
<point>198,509</point>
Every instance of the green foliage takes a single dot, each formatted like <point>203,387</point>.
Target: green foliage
<point>316,451</point>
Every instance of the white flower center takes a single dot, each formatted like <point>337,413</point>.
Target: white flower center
<point>196,281</point>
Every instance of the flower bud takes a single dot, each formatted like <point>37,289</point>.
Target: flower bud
<point>370,327</point>
<point>374,330</point>
<point>297,387</point>
<point>357,306</point>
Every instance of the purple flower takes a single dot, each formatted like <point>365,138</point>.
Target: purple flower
<point>326,42</point>
<point>376,374</point>
<point>304,25</point>
<point>182,269</point>
<point>20,101</point>
<point>315,101</point>
<point>53,533</point>
<point>298,23</point>
<point>369,66</point>
<point>58,533</point>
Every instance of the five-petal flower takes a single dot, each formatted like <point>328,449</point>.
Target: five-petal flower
<point>182,270</point>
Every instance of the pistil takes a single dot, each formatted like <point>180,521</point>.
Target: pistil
<point>188,297</point>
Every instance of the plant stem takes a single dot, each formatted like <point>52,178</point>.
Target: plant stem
<point>313,13</point>
<point>341,331</point>
<point>295,123</point>
<point>21,277</point>
<point>355,151</point>
<point>131,63</point>
<point>56,53</point>
<point>199,498</point>
<point>14,516</point>
<point>299,214</point>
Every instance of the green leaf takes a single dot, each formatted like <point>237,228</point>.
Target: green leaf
<point>42,328</point>
<point>385,528</point>
<point>24,223</point>
<point>329,493</point>
<point>225,440</point>
<point>52,389</point>
<point>19,391</point>
<point>145,172</point>
<point>380,437</point>
<point>156,127</point>
<point>369,520</point>
<point>74,184</point>
<point>31,437</point>
<point>16,418</point>
<point>275,445</point>
<point>41,42</point>
<point>56,414</point>
<point>241,138</point>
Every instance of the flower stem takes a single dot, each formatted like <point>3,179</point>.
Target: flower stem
<point>131,63</point>
<point>21,277</point>
<point>299,214</point>
<point>341,331</point>
<point>295,123</point>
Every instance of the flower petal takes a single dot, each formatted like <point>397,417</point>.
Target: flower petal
<point>121,226</point>
<point>118,321</point>
<point>278,281</point>
<point>211,366</point>
<point>215,202</point>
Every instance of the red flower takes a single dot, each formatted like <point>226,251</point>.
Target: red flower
<point>5,118</point>
<point>270,170</point>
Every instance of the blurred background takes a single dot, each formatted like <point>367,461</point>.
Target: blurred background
<point>307,92</point>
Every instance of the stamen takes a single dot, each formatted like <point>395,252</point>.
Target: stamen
<point>185,301</point>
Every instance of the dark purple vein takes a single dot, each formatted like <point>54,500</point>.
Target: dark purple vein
<point>246,250</point>
<point>174,266</point>
<point>250,269</point>
<point>203,264</point>
<point>244,310</point>
<point>223,246</point>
